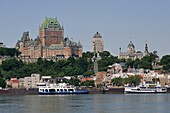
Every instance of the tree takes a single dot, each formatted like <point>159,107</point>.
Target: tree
<point>68,71</point>
<point>144,64</point>
<point>0,74</point>
<point>165,61</point>
<point>10,64</point>
<point>104,54</point>
<point>9,52</point>
<point>82,62</point>
<point>2,83</point>
<point>78,70</point>
<point>129,63</point>
<point>75,82</point>
<point>88,83</point>
<point>88,73</point>
<point>134,80</point>
<point>87,54</point>
<point>118,81</point>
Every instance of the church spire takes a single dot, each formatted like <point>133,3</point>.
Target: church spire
<point>146,49</point>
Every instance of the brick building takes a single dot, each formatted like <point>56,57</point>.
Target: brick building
<point>50,43</point>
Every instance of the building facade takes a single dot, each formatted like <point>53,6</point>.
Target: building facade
<point>132,53</point>
<point>50,43</point>
<point>31,82</point>
<point>14,83</point>
<point>97,43</point>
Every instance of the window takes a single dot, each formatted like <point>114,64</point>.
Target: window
<point>61,90</point>
<point>65,90</point>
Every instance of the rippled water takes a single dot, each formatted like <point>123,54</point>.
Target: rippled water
<point>90,103</point>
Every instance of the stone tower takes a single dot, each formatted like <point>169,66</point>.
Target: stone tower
<point>97,42</point>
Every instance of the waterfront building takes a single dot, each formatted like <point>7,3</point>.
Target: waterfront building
<point>31,82</point>
<point>132,53</point>
<point>97,43</point>
<point>50,43</point>
<point>98,78</point>
<point>21,82</point>
<point>13,82</point>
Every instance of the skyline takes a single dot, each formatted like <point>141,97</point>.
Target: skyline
<point>136,21</point>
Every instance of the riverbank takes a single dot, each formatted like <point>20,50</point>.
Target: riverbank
<point>21,91</point>
<point>34,91</point>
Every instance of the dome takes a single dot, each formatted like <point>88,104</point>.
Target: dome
<point>97,35</point>
<point>131,45</point>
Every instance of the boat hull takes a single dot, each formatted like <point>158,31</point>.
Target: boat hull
<point>61,93</point>
<point>144,90</point>
<point>126,92</point>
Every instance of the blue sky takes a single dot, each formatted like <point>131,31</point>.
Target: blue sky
<point>118,21</point>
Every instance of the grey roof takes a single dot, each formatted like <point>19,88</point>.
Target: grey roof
<point>131,44</point>
<point>97,35</point>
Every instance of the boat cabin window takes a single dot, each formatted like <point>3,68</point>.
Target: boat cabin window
<point>71,89</point>
<point>61,90</point>
<point>58,90</point>
<point>65,90</point>
<point>46,90</point>
<point>51,90</point>
<point>143,87</point>
<point>42,90</point>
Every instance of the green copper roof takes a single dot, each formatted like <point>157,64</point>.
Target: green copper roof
<point>50,23</point>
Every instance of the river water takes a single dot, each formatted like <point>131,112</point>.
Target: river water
<point>88,103</point>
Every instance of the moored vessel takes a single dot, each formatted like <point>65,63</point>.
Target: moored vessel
<point>61,88</point>
<point>147,88</point>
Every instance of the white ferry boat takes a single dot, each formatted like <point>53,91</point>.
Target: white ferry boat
<point>147,88</point>
<point>60,88</point>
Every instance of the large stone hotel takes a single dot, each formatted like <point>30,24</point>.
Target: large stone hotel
<point>50,43</point>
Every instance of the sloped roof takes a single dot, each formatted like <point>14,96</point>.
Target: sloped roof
<point>97,35</point>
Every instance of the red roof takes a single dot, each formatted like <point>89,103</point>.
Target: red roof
<point>85,79</point>
<point>15,81</point>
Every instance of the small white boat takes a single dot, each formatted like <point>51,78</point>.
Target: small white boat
<point>147,88</point>
<point>61,88</point>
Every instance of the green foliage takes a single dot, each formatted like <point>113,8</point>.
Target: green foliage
<point>88,73</point>
<point>68,71</point>
<point>146,65</point>
<point>165,62</point>
<point>88,83</point>
<point>118,81</point>
<point>129,63</point>
<point>134,80</point>
<point>75,82</point>
<point>11,64</point>
<point>9,52</point>
<point>2,83</point>
<point>104,54</point>
<point>87,54</point>
<point>0,73</point>
<point>105,61</point>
